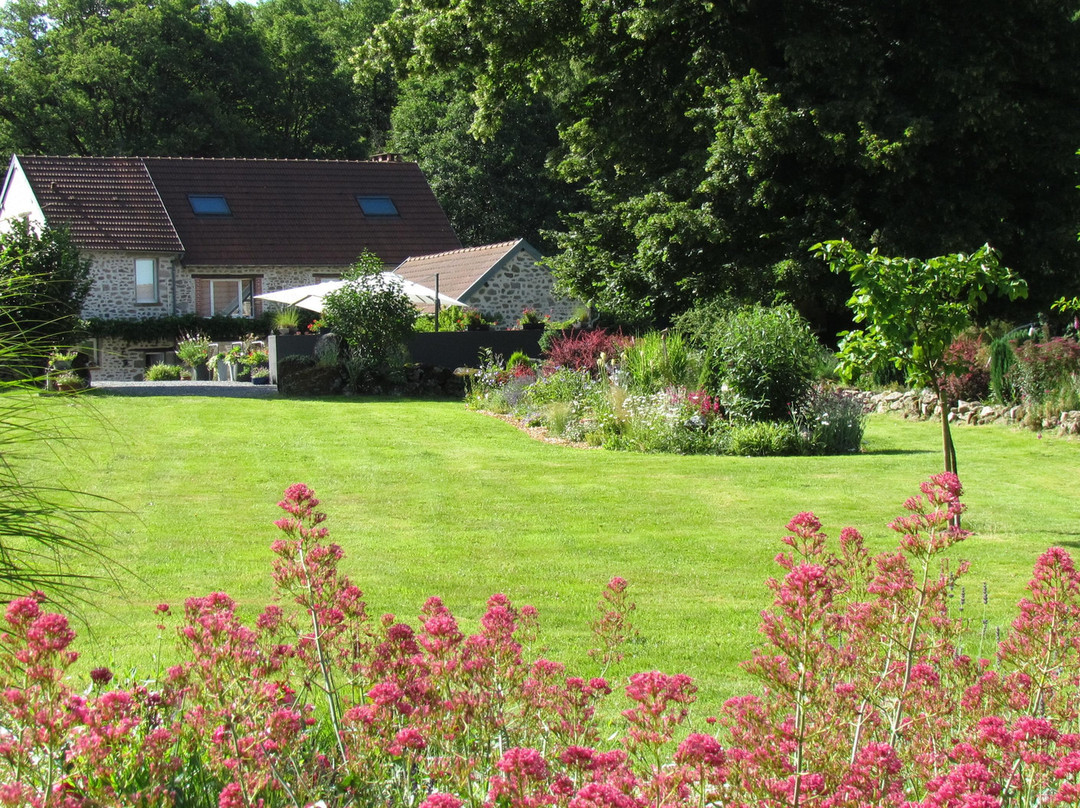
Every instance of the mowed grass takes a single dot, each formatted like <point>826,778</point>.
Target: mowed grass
<point>428,498</point>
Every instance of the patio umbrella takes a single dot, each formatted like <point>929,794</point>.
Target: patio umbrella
<point>311,296</point>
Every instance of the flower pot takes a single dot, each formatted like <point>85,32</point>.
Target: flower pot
<point>202,372</point>
<point>260,380</point>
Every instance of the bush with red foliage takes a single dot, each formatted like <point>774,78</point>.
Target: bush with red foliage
<point>970,381</point>
<point>582,349</point>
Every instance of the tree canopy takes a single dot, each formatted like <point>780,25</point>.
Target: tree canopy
<point>661,152</point>
<point>715,143</point>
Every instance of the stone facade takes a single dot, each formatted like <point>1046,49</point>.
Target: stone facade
<point>518,284</point>
<point>112,296</point>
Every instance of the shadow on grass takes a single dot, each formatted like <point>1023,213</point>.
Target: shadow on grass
<point>886,452</point>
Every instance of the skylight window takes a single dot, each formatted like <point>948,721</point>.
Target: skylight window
<point>377,206</point>
<point>209,205</point>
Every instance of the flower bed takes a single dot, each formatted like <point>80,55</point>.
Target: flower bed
<point>869,697</point>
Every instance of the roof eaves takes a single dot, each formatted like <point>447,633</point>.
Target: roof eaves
<point>494,268</point>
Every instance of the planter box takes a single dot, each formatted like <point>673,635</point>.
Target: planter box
<point>280,345</point>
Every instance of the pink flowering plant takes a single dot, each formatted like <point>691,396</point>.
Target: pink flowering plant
<point>866,696</point>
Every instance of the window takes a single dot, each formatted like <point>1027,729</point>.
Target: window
<point>146,281</point>
<point>227,297</point>
<point>209,205</point>
<point>377,205</point>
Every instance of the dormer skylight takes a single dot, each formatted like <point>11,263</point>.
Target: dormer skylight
<point>209,205</point>
<point>377,206</point>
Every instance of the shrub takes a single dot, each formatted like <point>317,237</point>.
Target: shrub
<point>582,350</point>
<point>657,361</point>
<point>1002,359</point>
<point>162,373</point>
<point>970,378</point>
<point>763,439</point>
<point>832,421</point>
<point>372,315</point>
<point>1042,368</point>
<point>45,283</point>
<point>760,361</point>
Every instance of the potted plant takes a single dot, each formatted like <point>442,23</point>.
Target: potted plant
<point>286,321</point>
<point>260,375</point>
<point>532,320</point>
<point>252,358</point>
<point>474,321</point>
<point>232,360</point>
<point>62,360</point>
<point>193,350</point>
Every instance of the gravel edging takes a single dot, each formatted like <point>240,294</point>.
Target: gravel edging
<point>202,389</point>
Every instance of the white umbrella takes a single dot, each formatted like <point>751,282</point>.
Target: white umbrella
<point>311,296</point>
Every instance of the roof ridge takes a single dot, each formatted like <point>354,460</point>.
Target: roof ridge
<point>509,243</point>
<point>143,158</point>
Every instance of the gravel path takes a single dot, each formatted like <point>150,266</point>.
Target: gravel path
<point>220,389</point>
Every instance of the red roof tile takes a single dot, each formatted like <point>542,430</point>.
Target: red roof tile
<point>106,203</point>
<point>283,212</point>
<point>459,270</point>
<point>300,212</point>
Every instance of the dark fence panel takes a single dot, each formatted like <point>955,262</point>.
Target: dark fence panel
<point>451,349</point>
<point>447,349</point>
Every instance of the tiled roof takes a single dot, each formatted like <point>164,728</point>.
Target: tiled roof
<point>283,212</point>
<point>458,270</point>
<point>300,212</point>
<point>106,203</point>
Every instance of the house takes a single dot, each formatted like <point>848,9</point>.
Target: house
<point>500,280</point>
<point>174,236</point>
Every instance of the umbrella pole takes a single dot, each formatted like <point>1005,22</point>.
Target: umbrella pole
<point>436,302</point>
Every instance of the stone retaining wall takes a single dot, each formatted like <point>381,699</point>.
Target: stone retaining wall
<point>924,405</point>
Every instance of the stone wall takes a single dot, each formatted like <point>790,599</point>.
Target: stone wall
<point>112,293</point>
<point>924,405</point>
<point>521,284</point>
<point>112,296</point>
<point>120,361</point>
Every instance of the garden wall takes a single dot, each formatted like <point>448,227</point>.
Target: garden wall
<point>446,349</point>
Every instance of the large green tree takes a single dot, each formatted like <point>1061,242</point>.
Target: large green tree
<point>715,143</point>
<point>170,77</point>
<point>494,189</point>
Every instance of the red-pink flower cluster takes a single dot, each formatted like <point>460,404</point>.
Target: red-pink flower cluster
<point>868,699</point>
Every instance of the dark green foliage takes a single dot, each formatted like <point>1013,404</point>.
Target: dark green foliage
<point>714,143</point>
<point>170,329</point>
<point>493,190</point>
<point>43,282</point>
<point>1002,358</point>
<point>168,77</point>
<point>372,316</point>
<point>760,361</point>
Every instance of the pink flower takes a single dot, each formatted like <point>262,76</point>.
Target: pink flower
<point>100,676</point>
<point>699,749</point>
<point>232,796</point>
<point>441,800</point>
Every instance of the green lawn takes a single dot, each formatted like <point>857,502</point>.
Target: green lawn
<point>429,498</point>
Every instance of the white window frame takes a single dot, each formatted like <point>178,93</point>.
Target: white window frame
<point>141,265</point>
<point>239,296</point>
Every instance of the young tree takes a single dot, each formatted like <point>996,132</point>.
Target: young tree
<point>913,310</point>
<point>371,315</point>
